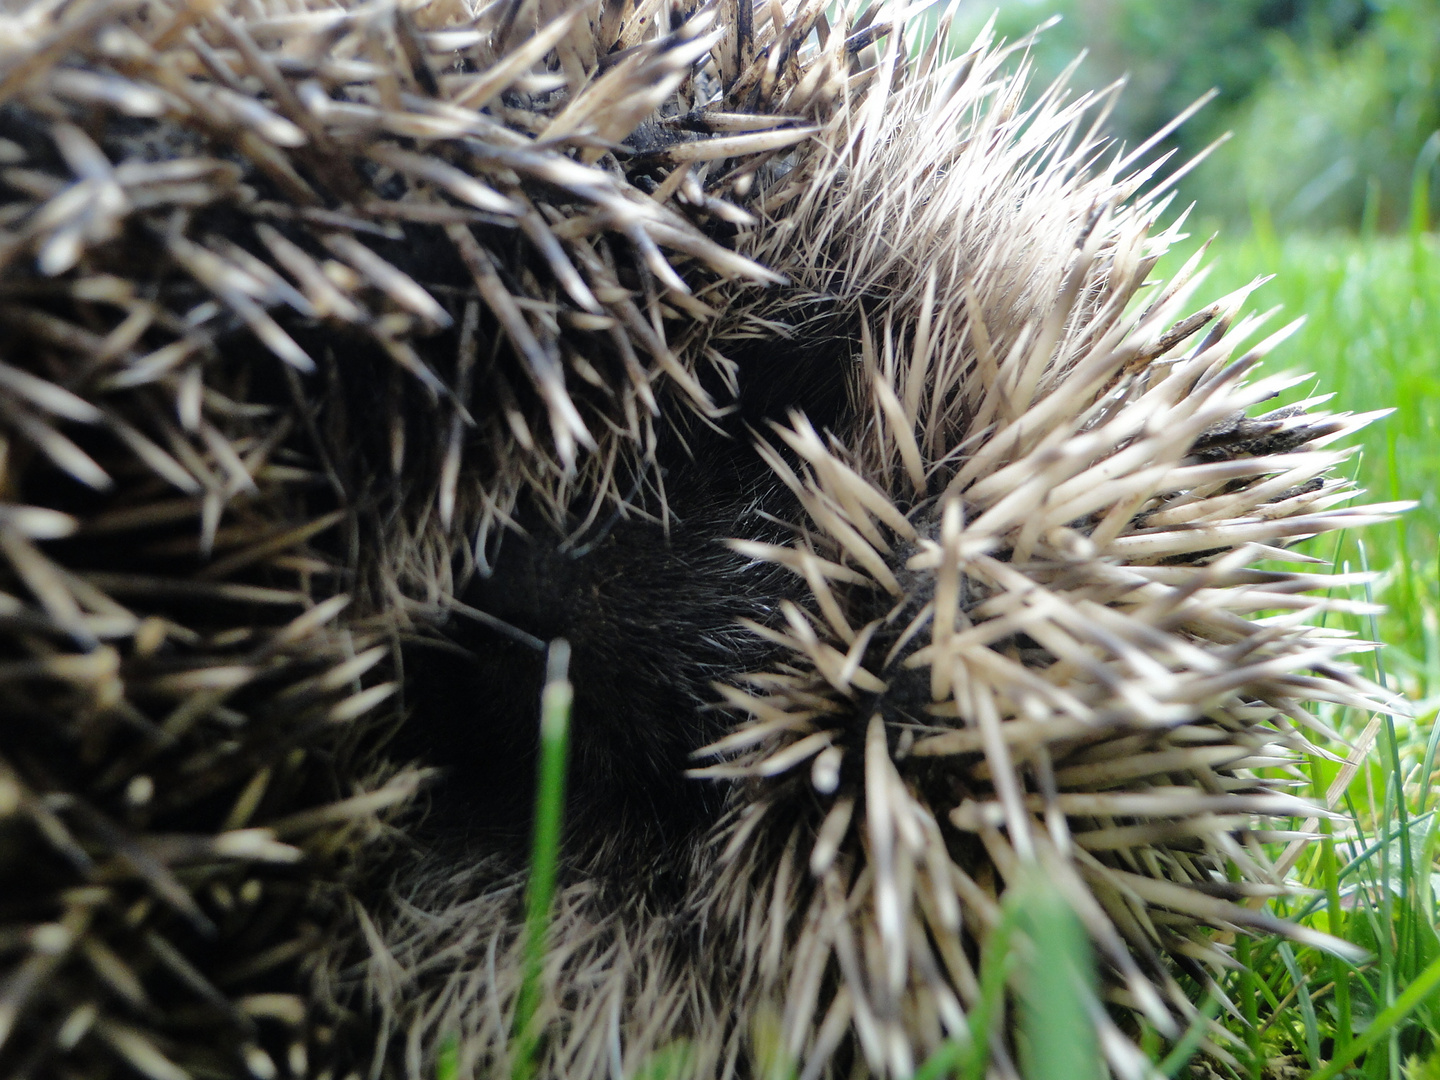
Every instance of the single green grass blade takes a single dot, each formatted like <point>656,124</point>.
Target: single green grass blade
<point>996,965</point>
<point>1310,1044</point>
<point>944,1061</point>
<point>555,703</point>
<point>1181,1053</point>
<point>447,1059</point>
<point>1057,987</point>
<point>1339,969</point>
<point>1427,767</point>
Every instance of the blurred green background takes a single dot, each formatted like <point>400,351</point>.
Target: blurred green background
<point>1333,104</point>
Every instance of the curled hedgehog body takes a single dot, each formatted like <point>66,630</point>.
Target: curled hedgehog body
<point>805,387</point>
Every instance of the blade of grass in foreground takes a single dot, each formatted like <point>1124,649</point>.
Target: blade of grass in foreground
<point>555,703</point>
<point>1057,986</point>
<point>966,1058</point>
<point>1040,950</point>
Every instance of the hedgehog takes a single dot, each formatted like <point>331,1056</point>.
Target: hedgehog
<point>807,380</point>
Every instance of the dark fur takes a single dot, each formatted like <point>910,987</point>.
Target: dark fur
<point>649,601</point>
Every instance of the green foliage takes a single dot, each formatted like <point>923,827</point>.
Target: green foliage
<point>1039,955</point>
<point>671,1062</point>
<point>1171,54</point>
<point>1338,137</point>
<point>447,1060</point>
<point>1332,103</point>
<point>1423,1068</point>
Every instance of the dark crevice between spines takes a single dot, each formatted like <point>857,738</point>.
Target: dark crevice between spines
<point>650,604</point>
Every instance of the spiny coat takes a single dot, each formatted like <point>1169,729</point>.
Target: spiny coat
<point>805,387</point>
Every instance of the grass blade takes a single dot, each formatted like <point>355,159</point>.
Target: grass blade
<point>555,703</point>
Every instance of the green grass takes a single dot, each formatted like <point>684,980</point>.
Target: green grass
<point>1372,337</point>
